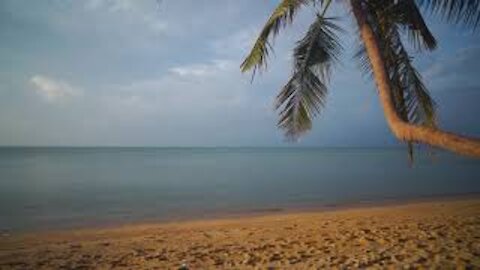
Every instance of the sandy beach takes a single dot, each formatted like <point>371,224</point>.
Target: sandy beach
<point>437,234</point>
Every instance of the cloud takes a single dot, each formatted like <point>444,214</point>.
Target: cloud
<point>155,25</point>
<point>455,85</point>
<point>132,10</point>
<point>236,44</point>
<point>457,72</point>
<point>151,77</point>
<point>111,5</point>
<point>190,88</point>
<point>53,90</point>
<point>200,70</point>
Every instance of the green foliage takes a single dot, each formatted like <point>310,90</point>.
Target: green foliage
<point>281,16</point>
<point>419,108</point>
<point>466,12</point>
<point>304,94</point>
<point>411,98</point>
<point>408,16</point>
<point>391,20</point>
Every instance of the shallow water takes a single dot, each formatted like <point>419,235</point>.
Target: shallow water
<point>47,188</point>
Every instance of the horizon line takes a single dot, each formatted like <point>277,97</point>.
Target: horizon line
<point>197,146</point>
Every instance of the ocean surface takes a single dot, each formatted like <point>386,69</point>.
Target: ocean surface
<point>57,188</point>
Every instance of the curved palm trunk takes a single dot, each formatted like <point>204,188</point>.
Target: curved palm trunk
<point>401,129</point>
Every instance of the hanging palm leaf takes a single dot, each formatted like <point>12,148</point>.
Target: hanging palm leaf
<point>304,94</point>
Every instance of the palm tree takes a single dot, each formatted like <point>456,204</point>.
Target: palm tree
<point>383,26</point>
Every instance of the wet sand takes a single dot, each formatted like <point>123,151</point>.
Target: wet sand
<point>438,234</point>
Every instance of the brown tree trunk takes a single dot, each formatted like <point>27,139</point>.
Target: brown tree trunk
<point>403,130</point>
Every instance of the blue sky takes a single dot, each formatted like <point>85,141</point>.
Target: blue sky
<point>132,72</point>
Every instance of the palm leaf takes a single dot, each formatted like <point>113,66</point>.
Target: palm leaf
<point>466,12</point>
<point>419,106</point>
<point>410,17</point>
<point>412,100</point>
<point>283,15</point>
<point>406,15</point>
<point>304,94</point>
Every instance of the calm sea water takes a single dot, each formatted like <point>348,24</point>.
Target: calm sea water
<point>44,188</point>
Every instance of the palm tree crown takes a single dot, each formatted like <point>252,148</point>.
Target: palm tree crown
<point>389,24</point>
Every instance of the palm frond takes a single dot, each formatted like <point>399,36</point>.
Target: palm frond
<point>406,14</point>
<point>363,60</point>
<point>412,100</point>
<point>304,94</point>
<point>410,17</point>
<point>418,104</point>
<point>465,12</point>
<point>283,15</point>
<point>402,107</point>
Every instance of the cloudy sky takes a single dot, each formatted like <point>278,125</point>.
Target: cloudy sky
<point>166,73</point>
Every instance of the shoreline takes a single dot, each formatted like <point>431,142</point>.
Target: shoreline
<point>250,213</point>
<point>442,232</point>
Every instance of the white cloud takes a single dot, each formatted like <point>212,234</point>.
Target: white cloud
<point>201,70</point>
<point>155,24</point>
<point>53,90</point>
<point>236,44</point>
<point>111,5</point>
<point>131,12</point>
<point>186,93</point>
<point>93,4</point>
<point>457,71</point>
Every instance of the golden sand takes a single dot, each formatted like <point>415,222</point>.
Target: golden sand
<point>441,234</point>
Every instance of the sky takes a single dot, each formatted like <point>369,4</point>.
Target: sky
<point>166,73</point>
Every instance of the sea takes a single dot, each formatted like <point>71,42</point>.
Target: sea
<point>51,188</point>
